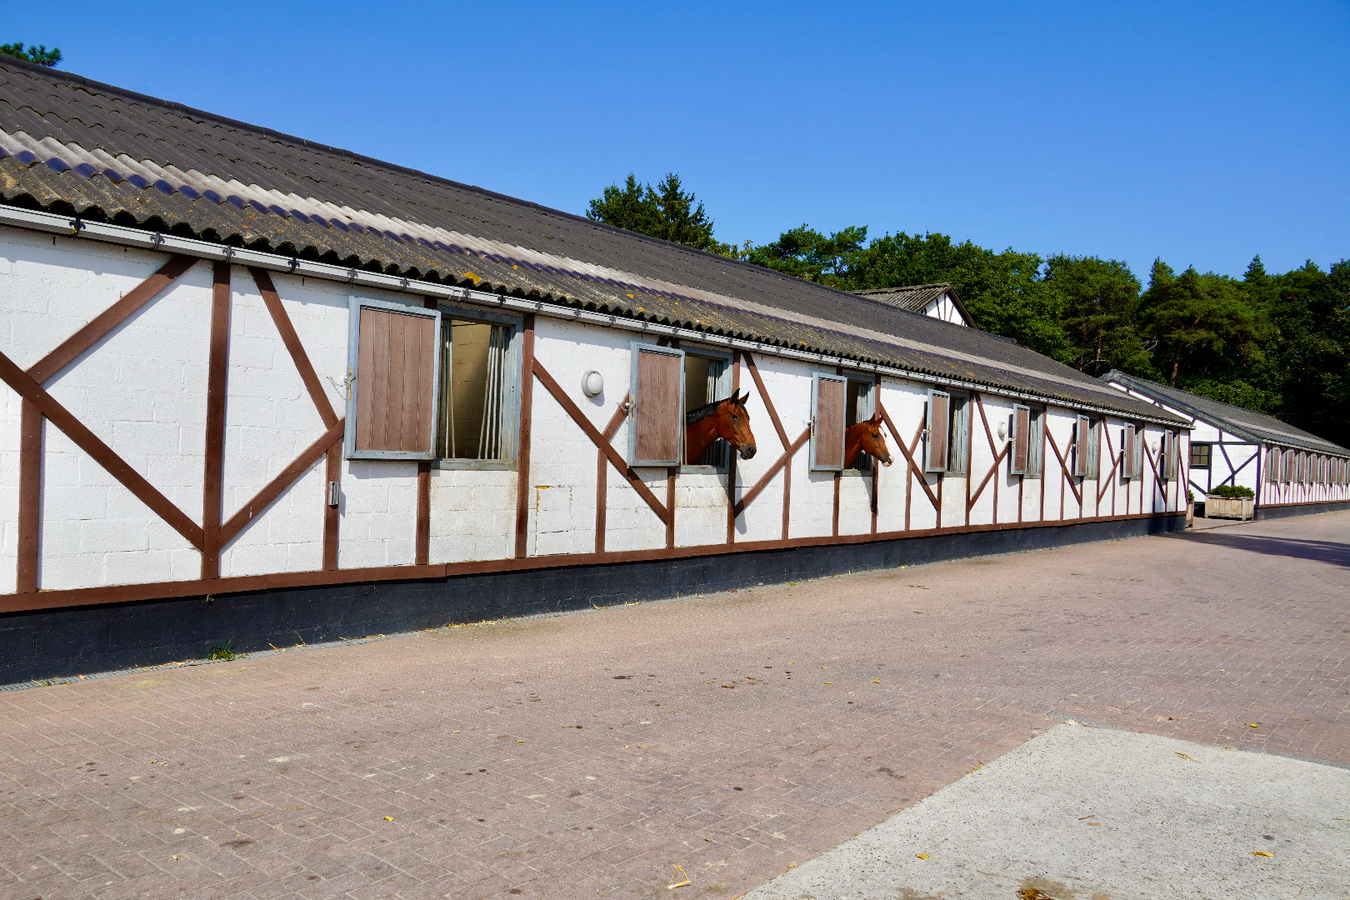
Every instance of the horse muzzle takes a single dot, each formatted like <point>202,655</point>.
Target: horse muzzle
<point>885,460</point>
<point>748,451</point>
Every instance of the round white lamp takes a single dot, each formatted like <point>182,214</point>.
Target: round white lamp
<point>592,383</point>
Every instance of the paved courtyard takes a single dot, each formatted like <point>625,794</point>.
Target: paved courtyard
<point>732,735</point>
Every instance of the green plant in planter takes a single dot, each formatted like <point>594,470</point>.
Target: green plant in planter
<point>1190,495</point>
<point>1231,492</point>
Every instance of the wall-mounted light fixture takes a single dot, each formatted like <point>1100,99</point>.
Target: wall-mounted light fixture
<point>592,383</point>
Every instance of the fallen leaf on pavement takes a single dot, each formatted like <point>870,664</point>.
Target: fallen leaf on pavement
<point>1184,756</point>
<point>1261,853</point>
<point>681,870</point>
<point>921,855</point>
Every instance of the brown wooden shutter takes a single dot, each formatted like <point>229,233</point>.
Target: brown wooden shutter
<point>827,423</point>
<point>392,408</point>
<point>656,417</point>
<point>1272,464</point>
<point>1127,448</point>
<point>1080,445</point>
<point>1021,440</point>
<point>939,425</point>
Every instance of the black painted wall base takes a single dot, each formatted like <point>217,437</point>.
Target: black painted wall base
<point>1300,509</point>
<point>82,640</point>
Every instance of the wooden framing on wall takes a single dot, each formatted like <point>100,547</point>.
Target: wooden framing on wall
<point>212,536</point>
<point>217,388</point>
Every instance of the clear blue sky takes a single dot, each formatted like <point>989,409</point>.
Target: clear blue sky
<point>1201,133</point>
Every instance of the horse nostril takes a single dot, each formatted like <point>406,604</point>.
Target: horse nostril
<point>748,452</point>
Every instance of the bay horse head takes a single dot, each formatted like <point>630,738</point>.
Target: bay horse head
<point>726,419</point>
<point>866,437</point>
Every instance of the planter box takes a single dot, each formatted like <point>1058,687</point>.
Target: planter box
<point>1225,508</point>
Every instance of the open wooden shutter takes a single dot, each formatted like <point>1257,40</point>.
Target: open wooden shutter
<point>394,370</point>
<point>939,426</point>
<point>1021,441</point>
<point>829,403</point>
<point>1272,464</point>
<point>656,410</point>
<point>1080,444</point>
<point>1128,467</point>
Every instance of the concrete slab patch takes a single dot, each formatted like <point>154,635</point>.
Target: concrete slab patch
<point>1084,813</point>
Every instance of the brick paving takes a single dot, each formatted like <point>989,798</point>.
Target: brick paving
<point>733,735</point>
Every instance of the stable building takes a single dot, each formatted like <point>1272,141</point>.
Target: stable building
<point>1289,471</point>
<point>259,390</point>
<point>936,300</point>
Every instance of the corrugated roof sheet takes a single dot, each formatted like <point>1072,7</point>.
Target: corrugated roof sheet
<point>75,146</point>
<point>1239,421</point>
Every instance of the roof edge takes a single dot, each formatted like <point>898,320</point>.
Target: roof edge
<point>1143,385</point>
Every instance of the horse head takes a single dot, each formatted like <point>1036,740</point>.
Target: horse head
<point>733,425</point>
<point>869,439</point>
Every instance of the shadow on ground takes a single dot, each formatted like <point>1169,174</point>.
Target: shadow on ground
<point>1332,552</point>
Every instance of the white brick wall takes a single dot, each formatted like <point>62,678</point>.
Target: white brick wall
<point>287,536</point>
<point>473,515</point>
<point>701,508</point>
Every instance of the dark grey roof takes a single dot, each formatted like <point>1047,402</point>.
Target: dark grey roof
<point>916,298</point>
<point>78,147</point>
<point>1254,426</point>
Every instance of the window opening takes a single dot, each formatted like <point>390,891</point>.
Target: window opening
<point>859,406</point>
<point>707,379</point>
<point>958,445</point>
<point>1035,442</point>
<point>477,391</point>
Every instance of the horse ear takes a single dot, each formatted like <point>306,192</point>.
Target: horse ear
<point>745,396</point>
<point>876,417</point>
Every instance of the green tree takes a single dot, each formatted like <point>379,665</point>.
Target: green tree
<point>1004,292</point>
<point>1101,312</point>
<point>34,53</point>
<point>806,253</point>
<point>1311,318</point>
<point>1205,326</point>
<point>664,212</point>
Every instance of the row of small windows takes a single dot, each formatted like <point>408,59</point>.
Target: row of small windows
<point>467,365</point>
<point>1301,467</point>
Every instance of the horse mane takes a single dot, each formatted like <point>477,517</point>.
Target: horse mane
<point>697,415</point>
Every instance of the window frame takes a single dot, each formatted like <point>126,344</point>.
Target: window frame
<point>1036,436</point>
<point>1131,451</point>
<point>724,384</point>
<point>356,303</point>
<point>637,349</point>
<point>1209,455</point>
<point>1086,441</point>
<point>958,435</point>
<point>864,464</point>
<point>511,369</point>
<point>814,460</point>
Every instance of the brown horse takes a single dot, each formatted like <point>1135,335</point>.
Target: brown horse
<point>725,419</point>
<point>866,437</point>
